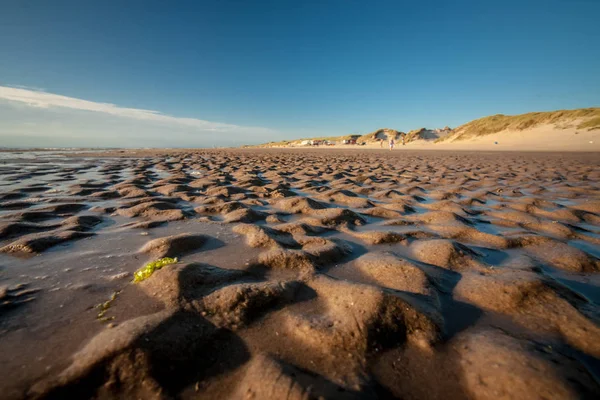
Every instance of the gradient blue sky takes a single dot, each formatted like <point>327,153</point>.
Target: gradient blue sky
<point>255,70</point>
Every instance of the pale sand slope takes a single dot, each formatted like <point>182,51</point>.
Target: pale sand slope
<point>540,138</point>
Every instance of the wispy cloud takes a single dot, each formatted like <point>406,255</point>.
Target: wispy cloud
<point>41,99</point>
<point>37,89</point>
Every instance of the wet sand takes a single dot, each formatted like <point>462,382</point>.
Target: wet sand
<point>302,274</point>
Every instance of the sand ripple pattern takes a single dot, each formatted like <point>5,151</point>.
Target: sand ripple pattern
<point>418,276</point>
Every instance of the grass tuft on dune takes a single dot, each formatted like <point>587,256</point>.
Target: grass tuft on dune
<point>369,137</point>
<point>591,124</point>
<point>587,118</point>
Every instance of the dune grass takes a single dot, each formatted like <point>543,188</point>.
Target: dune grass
<point>414,134</point>
<point>499,122</point>
<point>591,124</point>
<point>369,137</point>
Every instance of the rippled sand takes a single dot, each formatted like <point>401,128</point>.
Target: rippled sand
<point>302,274</point>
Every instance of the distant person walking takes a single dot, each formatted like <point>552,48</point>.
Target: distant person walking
<point>403,141</point>
<point>392,144</point>
<point>381,143</point>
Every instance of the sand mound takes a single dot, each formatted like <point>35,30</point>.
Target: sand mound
<point>39,242</point>
<point>396,273</point>
<point>225,191</point>
<point>110,354</point>
<point>220,208</point>
<point>361,318</point>
<point>296,205</point>
<point>499,366</point>
<point>381,212</point>
<point>378,237</point>
<point>445,254</point>
<point>561,255</point>
<point>131,192</point>
<point>177,285</point>
<point>267,378</point>
<point>170,189</point>
<point>15,296</point>
<point>262,236</point>
<point>15,229</point>
<point>157,210</point>
<point>346,197</point>
<point>295,260</point>
<point>237,305</point>
<point>515,293</point>
<point>174,246</point>
<point>245,216</point>
<point>334,217</point>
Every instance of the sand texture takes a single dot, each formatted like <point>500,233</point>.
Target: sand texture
<point>540,138</point>
<point>301,274</point>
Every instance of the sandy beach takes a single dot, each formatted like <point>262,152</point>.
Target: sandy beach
<point>300,274</point>
<point>541,138</point>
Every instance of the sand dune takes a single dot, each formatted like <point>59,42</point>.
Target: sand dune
<point>540,138</point>
<point>563,130</point>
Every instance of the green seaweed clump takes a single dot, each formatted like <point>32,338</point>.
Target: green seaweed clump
<point>105,306</point>
<point>147,270</point>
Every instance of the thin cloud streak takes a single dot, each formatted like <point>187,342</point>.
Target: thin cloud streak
<point>40,99</point>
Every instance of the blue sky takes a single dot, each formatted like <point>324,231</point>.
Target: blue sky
<point>250,71</point>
